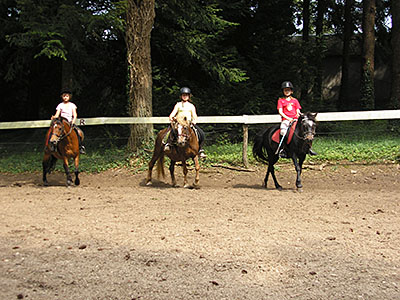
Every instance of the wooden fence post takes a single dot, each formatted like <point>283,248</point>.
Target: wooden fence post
<point>245,143</point>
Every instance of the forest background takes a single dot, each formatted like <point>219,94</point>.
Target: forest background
<point>340,55</point>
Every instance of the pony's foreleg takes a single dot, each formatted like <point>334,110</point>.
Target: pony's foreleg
<point>172,172</point>
<point>298,167</point>
<point>197,168</point>
<point>76,163</point>
<point>185,172</point>
<point>67,173</point>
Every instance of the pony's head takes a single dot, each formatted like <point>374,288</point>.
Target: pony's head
<point>307,124</point>
<point>56,133</point>
<point>58,128</point>
<point>183,131</point>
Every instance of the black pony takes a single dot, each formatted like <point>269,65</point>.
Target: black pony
<point>265,146</point>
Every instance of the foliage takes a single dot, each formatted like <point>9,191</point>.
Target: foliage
<point>233,54</point>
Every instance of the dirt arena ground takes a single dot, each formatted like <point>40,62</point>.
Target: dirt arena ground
<point>115,238</point>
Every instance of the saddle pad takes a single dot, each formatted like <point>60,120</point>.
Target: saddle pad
<point>276,135</point>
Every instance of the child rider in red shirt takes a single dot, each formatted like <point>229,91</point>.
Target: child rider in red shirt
<point>289,109</point>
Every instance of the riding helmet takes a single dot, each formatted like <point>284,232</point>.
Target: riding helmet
<point>287,84</point>
<point>185,90</point>
<point>66,91</point>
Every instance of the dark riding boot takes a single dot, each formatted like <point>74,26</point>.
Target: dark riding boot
<point>202,154</point>
<point>82,149</point>
<point>282,152</point>
<point>312,153</point>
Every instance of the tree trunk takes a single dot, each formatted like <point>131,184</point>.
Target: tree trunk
<point>306,37</point>
<point>319,30</point>
<point>395,91</point>
<point>368,55</point>
<point>140,19</point>
<point>347,35</point>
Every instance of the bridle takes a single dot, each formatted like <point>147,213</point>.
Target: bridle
<point>183,132</point>
<point>309,132</point>
<point>61,136</point>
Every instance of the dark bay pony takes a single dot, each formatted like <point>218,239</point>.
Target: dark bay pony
<point>264,148</point>
<point>187,146</point>
<point>61,143</point>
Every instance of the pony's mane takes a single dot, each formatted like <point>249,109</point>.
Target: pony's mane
<point>183,121</point>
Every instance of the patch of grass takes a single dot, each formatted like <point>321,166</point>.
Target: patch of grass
<point>356,148</point>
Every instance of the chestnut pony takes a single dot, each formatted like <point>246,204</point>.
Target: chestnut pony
<point>187,146</point>
<point>61,143</point>
<point>264,147</point>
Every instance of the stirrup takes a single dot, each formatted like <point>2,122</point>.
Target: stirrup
<point>167,147</point>
<point>312,153</point>
<point>283,154</point>
<point>82,149</point>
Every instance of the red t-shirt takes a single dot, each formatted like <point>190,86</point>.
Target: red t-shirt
<point>289,107</point>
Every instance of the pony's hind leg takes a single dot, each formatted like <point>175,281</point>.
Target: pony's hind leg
<point>157,154</point>
<point>45,164</point>
<point>271,170</point>
<point>197,168</point>
<point>76,162</point>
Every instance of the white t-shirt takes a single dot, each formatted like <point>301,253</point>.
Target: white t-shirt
<point>185,109</point>
<point>66,110</point>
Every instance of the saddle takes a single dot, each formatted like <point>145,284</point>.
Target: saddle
<point>277,134</point>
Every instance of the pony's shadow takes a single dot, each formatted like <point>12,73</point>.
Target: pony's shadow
<point>163,185</point>
<point>261,187</point>
<point>157,184</point>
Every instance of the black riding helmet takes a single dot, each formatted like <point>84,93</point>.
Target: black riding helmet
<point>287,84</point>
<point>186,90</point>
<point>66,91</point>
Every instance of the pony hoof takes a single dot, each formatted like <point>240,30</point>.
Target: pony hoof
<point>187,186</point>
<point>45,183</point>
<point>77,182</point>
<point>69,182</point>
<point>149,183</point>
<point>300,189</point>
<point>279,188</point>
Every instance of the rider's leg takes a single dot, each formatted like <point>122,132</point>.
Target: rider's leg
<point>284,129</point>
<point>78,131</point>
<point>201,137</point>
<point>167,140</point>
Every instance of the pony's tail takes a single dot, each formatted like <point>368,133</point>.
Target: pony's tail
<point>160,166</point>
<point>259,151</point>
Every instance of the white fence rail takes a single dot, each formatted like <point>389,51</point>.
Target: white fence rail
<point>246,120</point>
